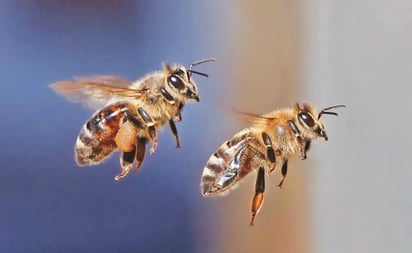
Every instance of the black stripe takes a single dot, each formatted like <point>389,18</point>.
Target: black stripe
<point>166,94</point>
<point>144,115</point>
<point>260,181</point>
<point>294,127</point>
<point>128,157</point>
<point>269,148</point>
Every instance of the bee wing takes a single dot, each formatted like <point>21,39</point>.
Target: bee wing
<point>247,117</point>
<point>105,79</point>
<point>255,119</point>
<point>95,93</point>
<point>228,165</point>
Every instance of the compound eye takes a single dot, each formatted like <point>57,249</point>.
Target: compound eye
<point>175,81</point>
<point>306,119</point>
<point>180,72</point>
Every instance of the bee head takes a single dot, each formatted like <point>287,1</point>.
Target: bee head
<point>180,82</point>
<point>309,121</point>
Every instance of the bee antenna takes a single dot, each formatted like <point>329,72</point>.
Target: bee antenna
<point>200,62</point>
<point>326,110</point>
<point>197,73</point>
<point>190,71</point>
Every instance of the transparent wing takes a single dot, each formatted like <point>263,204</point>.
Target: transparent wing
<point>247,117</point>
<point>104,79</point>
<point>94,92</point>
<point>255,119</point>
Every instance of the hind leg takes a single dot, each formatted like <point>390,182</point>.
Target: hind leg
<point>140,153</point>
<point>259,190</point>
<point>127,141</point>
<point>126,163</point>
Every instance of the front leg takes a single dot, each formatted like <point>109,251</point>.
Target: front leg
<point>174,132</point>
<point>299,139</point>
<point>178,117</point>
<point>307,146</point>
<point>151,128</point>
<point>302,149</point>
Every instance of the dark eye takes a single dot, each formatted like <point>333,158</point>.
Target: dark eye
<point>179,72</point>
<point>306,119</point>
<point>175,82</point>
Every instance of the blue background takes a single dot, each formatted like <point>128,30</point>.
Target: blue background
<point>48,204</point>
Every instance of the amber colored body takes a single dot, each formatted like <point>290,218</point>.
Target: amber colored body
<point>264,146</point>
<point>130,114</point>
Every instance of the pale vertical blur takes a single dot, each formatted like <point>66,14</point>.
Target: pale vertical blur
<point>360,53</point>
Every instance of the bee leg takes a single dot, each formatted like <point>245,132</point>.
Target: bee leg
<point>140,152</point>
<point>284,172</point>
<point>307,146</point>
<point>269,149</point>
<point>278,153</point>
<point>178,117</point>
<point>303,147</point>
<point>127,132</point>
<point>174,132</point>
<point>152,130</point>
<point>255,151</point>
<point>126,163</point>
<point>259,190</point>
<point>155,140</point>
<point>301,142</point>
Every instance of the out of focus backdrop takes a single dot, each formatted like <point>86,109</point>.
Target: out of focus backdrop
<point>352,194</point>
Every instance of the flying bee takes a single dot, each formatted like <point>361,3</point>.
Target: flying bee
<point>129,114</point>
<point>264,146</point>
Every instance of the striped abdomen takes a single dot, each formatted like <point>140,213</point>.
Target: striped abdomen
<point>96,140</point>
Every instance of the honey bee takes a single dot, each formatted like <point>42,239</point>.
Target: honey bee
<point>264,146</point>
<point>129,114</point>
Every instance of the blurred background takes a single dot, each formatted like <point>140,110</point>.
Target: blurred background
<point>352,194</point>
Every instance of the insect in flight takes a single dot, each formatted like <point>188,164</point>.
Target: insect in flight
<point>129,114</point>
<point>267,144</point>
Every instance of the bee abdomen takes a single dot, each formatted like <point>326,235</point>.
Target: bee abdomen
<point>96,138</point>
<point>225,167</point>
<point>89,150</point>
<point>211,174</point>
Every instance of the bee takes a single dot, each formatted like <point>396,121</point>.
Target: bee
<point>264,146</point>
<point>129,114</point>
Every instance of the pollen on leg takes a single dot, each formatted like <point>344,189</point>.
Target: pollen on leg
<point>126,137</point>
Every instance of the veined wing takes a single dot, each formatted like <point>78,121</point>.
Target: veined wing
<point>247,117</point>
<point>255,119</point>
<point>105,79</point>
<point>95,93</point>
